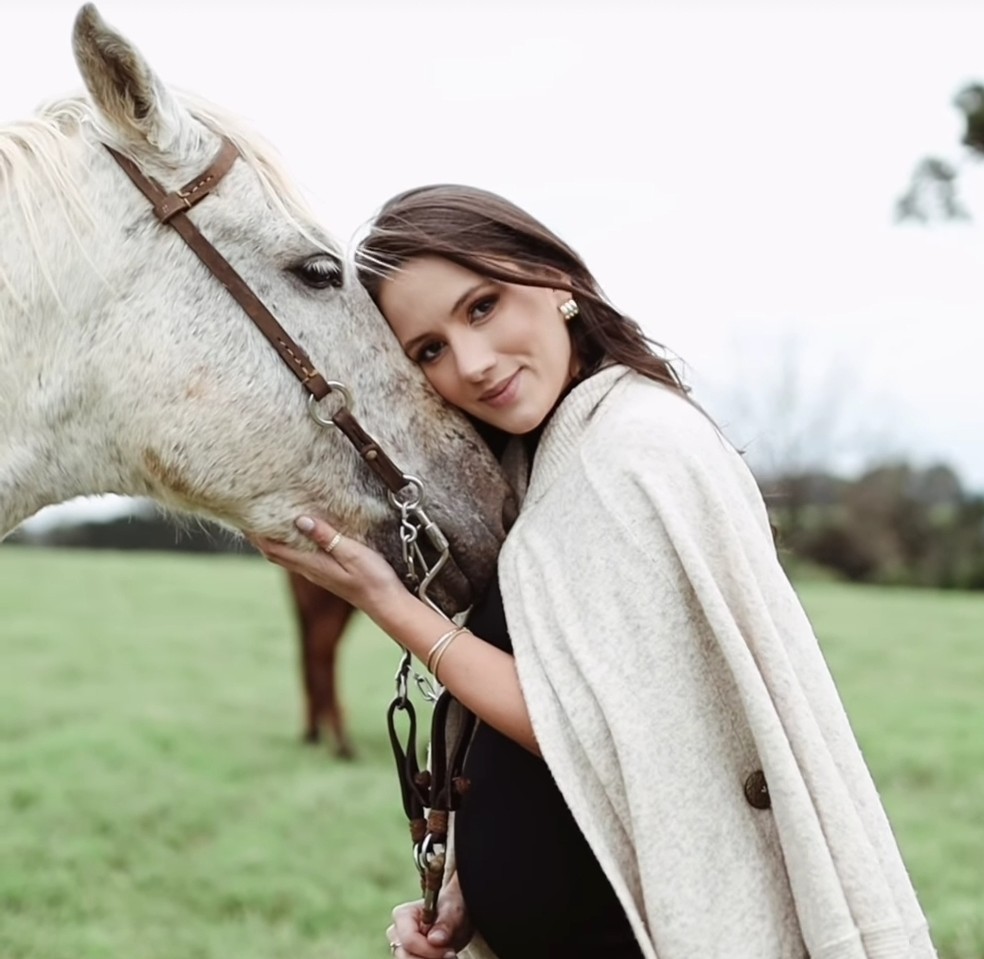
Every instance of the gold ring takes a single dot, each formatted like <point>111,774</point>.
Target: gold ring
<point>335,540</point>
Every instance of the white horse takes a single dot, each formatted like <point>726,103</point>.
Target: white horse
<point>125,367</point>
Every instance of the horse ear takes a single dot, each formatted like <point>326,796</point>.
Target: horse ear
<point>133,101</point>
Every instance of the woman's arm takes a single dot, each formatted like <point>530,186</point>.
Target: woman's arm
<point>480,676</point>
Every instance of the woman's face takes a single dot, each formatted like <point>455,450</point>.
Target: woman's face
<point>499,351</point>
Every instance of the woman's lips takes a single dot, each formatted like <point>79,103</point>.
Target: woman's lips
<point>503,393</point>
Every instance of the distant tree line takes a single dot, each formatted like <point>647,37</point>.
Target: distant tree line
<point>146,528</point>
<point>895,524</point>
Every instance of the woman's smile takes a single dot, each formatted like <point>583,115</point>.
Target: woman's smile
<point>503,393</point>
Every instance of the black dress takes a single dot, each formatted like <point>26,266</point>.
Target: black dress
<point>531,883</point>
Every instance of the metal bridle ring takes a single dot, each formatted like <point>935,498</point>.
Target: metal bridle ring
<point>411,503</point>
<point>347,404</point>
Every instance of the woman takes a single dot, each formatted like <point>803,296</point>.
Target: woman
<point>662,765</point>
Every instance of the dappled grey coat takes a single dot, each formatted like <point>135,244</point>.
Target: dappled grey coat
<point>665,658</point>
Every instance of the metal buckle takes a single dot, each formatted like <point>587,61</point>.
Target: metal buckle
<point>347,404</point>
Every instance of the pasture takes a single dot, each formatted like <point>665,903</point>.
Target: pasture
<point>156,801</point>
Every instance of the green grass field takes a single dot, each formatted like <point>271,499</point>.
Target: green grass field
<point>157,804</point>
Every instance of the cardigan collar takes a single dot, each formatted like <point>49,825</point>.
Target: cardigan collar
<point>561,435</point>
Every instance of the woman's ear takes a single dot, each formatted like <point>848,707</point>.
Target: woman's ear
<point>553,275</point>
<point>560,296</point>
<point>563,280</point>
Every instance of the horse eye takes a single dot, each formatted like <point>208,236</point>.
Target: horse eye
<point>320,271</point>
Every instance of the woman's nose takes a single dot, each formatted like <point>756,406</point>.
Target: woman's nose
<point>474,357</point>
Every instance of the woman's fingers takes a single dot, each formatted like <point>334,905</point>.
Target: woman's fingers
<point>344,566</point>
<point>408,932</point>
<point>320,532</point>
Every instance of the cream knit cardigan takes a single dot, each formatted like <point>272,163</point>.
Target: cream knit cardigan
<point>664,657</point>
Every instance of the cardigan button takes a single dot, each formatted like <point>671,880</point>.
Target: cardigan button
<point>757,790</point>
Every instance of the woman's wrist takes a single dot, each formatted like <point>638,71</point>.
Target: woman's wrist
<point>481,677</point>
<point>386,603</point>
<point>407,619</point>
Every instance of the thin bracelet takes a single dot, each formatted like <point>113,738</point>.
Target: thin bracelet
<point>440,644</point>
<point>443,650</point>
<point>438,648</point>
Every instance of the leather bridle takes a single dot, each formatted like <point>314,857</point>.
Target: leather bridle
<point>405,491</point>
<point>436,791</point>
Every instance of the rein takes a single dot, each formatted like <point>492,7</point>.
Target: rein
<point>429,795</point>
<point>435,791</point>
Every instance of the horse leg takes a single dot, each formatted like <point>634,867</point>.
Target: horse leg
<point>334,616</point>
<point>301,591</point>
<point>322,618</point>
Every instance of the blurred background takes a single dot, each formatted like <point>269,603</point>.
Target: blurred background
<point>787,195</point>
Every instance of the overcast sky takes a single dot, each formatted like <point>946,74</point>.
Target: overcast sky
<point>727,169</point>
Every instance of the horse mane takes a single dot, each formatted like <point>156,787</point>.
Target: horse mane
<point>38,146</point>
<point>34,155</point>
<point>263,158</point>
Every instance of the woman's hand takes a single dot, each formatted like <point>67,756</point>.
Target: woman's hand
<point>341,565</point>
<point>451,931</point>
<point>481,677</point>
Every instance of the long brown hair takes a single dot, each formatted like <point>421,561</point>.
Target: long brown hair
<point>492,237</point>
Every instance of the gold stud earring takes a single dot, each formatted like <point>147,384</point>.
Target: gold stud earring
<point>568,309</point>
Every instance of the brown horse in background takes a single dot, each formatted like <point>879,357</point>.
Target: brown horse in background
<point>321,620</point>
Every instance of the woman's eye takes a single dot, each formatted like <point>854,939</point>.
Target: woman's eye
<point>429,352</point>
<point>320,272</point>
<point>482,308</point>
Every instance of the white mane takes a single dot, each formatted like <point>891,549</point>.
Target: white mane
<point>263,158</point>
<point>33,163</point>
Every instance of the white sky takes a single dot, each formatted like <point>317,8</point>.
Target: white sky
<point>727,169</point>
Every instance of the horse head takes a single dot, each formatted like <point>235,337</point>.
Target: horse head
<point>126,367</point>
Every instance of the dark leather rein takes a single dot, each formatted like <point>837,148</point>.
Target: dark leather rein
<point>435,791</point>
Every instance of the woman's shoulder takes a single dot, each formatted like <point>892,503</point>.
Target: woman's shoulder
<point>619,430</point>
<point>643,414</point>
<point>651,440</point>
